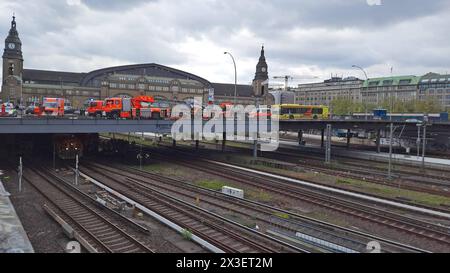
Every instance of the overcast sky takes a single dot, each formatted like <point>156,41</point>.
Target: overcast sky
<point>302,37</point>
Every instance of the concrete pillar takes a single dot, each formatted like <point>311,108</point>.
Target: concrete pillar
<point>300,137</point>
<point>328,145</point>
<point>255,149</point>
<point>174,143</point>
<point>197,140</point>
<point>378,140</point>
<point>348,138</point>
<point>224,141</point>
<point>322,143</point>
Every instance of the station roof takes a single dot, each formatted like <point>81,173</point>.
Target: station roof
<point>227,90</point>
<point>51,77</point>
<point>93,78</point>
<point>150,69</point>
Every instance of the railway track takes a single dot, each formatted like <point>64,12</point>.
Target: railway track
<point>434,175</point>
<point>266,215</point>
<point>373,174</point>
<point>411,226</point>
<point>204,157</point>
<point>431,172</point>
<point>97,228</point>
<point>365,147</point>
<point>219,231</point>
<point>424,181</point>
<point>408,180</point>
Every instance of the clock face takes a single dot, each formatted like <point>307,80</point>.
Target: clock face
<point>11,45</point>
<point>263,69</point>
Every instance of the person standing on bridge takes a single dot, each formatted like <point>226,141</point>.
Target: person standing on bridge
<point>3,109</point>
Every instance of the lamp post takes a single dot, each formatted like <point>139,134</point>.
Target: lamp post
<point>360,68</point>
<point>367,80</point>
<point>235,76</point>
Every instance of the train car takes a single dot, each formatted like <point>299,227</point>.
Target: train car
<point>301,112</point>
<point>68,146</point>
<point>381,114</point>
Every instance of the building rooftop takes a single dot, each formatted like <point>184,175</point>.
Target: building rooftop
<point>389,81</point>
<point>226,89</point>
<point>435,78</point>
<point>51,77</point>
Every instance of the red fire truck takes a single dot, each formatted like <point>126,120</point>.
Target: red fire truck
<point>140,107</point>
<point>50,107</point>
<point>94,108</point>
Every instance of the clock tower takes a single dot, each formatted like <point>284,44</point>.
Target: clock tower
<point>12,65</point>
<point>261,80</point>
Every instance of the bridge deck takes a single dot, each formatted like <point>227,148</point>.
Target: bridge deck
<point>65,125</point>
<point>91,125</point>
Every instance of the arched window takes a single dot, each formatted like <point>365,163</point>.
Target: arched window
<point>11,69</point>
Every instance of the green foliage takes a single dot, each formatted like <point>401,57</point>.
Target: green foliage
<point>187,234</point>
<point>282,215</point>
<point>344,106</point>
<point>343,181</point>
<point>260,195</point>
<point>429,105</point>
<point>211,184</point>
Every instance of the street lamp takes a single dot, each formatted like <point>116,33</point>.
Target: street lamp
<point>367,79</point>
<point>360,68</point>
<point>235,76</point>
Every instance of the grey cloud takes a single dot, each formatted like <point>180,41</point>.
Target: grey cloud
<point>327,34</point>
<point>114,4</point>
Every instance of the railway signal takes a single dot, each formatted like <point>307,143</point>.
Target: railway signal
<point>77,172</point>
<point>20,173</point>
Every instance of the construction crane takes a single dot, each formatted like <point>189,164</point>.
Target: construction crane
<point>287,78</point>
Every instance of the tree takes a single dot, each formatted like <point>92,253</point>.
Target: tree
<point>344,106</point>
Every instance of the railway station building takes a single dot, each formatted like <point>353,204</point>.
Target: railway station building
<point>164,83</point>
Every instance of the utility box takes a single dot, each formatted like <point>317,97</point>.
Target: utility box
<point>233,192</point>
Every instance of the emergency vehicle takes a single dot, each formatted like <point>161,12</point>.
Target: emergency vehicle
<point>50,107</point>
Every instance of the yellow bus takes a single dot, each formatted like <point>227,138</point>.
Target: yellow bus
<point>297,111</point>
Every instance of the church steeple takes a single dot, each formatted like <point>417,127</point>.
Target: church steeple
<point>12,66</point>
<point>260,82</point>
<point>13,22</point>
<point>13,45</point>
<point>261,68</point>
